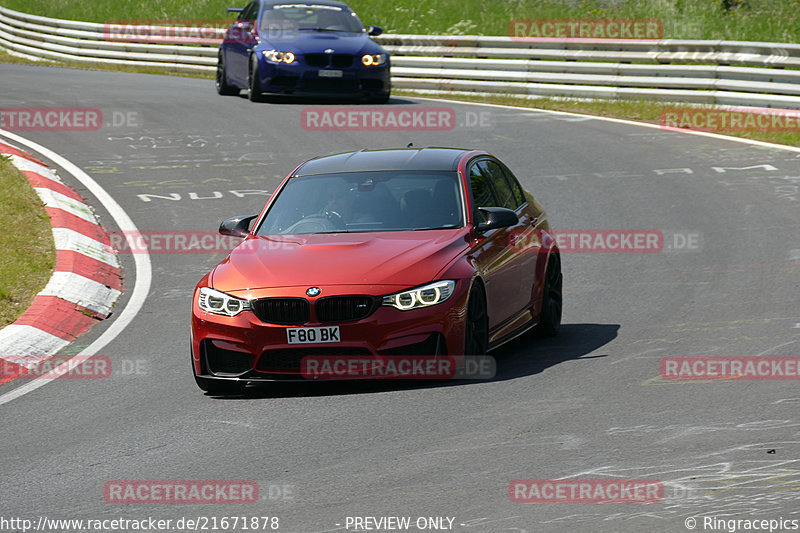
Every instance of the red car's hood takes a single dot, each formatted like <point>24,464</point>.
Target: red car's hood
<point>405,258</point>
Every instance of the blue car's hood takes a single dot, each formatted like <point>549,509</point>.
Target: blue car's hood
<point>316,42</point>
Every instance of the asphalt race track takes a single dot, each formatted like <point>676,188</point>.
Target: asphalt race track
<point>588,404</point>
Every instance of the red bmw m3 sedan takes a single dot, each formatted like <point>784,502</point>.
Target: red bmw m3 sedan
<point>373,254</point>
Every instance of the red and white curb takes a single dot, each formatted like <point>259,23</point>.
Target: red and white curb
<point>87,278</point>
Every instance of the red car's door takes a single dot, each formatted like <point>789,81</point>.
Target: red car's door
<point>509,274</point>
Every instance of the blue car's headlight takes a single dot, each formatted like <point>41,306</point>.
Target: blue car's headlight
<point>425,296</point>
<point>219,303</point>
<point>373,60</point>
<point>276,56</point>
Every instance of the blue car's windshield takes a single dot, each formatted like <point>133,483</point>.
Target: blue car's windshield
<point>312,17</point>
<point>366,201</point>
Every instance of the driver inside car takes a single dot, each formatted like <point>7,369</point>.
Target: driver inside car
<point>347,205</point>
<point>330,20</point>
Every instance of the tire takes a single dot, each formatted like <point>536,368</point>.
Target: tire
<point>477,325</point>
<point>223,88</point>
<point>552,300</point>
<point>252,80</point>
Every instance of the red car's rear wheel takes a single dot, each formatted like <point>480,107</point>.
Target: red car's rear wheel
<point>550,317</point>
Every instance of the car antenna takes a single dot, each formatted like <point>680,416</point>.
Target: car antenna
<point>410,145</point>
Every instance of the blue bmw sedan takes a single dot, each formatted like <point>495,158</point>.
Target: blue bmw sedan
<point>288,48</point>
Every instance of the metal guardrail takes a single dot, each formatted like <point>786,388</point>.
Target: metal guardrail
<point>710,72</point>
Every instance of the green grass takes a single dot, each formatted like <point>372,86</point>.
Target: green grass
<point>750,20</point>
<point>28,256</point>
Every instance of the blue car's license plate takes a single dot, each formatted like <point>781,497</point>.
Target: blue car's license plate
<point>331,73</point>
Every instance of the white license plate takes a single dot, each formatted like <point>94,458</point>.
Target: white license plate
<point>313,335</point>
<point>331,73</point>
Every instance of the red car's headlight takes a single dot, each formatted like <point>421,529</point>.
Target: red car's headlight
<point>424,296</point>
<point>219,303</point>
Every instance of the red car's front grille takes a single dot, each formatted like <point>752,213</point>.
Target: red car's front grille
<point>345,308</point>
<point>281,310</point>
<point>329,309</point>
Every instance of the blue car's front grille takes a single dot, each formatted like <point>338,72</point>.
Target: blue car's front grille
<point>317,60</point>
<point>329,60</point>
<point>341,60</point>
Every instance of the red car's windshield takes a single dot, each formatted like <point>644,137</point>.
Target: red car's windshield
<point>366,201</point>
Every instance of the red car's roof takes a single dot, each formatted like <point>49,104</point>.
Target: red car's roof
<point>441,159</point>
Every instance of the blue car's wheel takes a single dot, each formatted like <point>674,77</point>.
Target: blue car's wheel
<point>223,87</point>
<point>253,83</point>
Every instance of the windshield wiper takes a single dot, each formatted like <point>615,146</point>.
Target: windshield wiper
<point>326,29</point>
<point>447,226</point>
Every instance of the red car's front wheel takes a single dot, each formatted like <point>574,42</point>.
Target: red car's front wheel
<point>477,330</point>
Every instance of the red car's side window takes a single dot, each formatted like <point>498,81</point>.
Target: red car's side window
<point>482,194</point>
<point>506,194</point>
